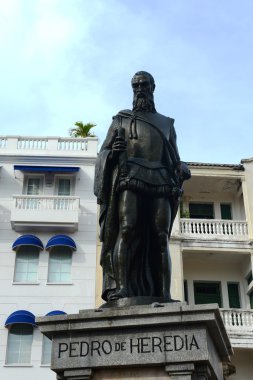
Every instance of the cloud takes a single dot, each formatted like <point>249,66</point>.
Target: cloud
<point>64,61</point>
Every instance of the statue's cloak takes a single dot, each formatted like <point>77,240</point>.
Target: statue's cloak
<point>141,273</point>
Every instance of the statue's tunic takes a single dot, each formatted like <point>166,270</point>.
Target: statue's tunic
<point>147,168</point>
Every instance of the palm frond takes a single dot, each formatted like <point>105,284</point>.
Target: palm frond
<point>82,130</point>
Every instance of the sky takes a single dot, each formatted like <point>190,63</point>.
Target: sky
<point>68,60</point>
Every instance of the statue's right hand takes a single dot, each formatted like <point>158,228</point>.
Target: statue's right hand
<point>119,145</point>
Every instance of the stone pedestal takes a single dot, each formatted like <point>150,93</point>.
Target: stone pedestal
<point>159,341</point>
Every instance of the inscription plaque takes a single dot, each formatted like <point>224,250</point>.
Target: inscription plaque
<point>180,338</point>
<point>129,348</point>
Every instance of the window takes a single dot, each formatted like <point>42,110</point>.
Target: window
<point>19,344</point>
<point>26,265</point>
<point>60,260</point>
<point>226,212</point>
<point>33,186</point>
<point>207,292</point>
<point>186,291</point>
<point>63,189</point>
<point>201,210</point>
<point>233,295</point>
<point>46,351</point>
<point>249,277</point>
<point>64,186</point>
<point>251,300</point>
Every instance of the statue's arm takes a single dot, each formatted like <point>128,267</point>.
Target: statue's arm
<point>107,159</point>
<point>110,137</point>
<point>102,167</point>
<point>173,145</point>
<point>114,142</point>
<point>182,171</point>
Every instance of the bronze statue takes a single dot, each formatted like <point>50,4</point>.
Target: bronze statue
<point>138,183</point>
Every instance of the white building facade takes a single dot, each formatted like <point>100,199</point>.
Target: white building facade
<point>48,217</point>
<point>48,238</point>
<point>212,253</point>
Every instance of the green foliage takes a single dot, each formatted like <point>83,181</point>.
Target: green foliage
<point>184,212</point>
<point>82,130</point>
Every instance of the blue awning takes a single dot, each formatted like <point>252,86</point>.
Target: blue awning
<point>47,169</point>
<point>55,312</point>
<point>61,241</point>
<point>27,240</point>
<point>21,316</point>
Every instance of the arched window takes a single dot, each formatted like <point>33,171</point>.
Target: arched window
<point>60,258</point>
<point>19,344</point>
<point>26,264</point>
<point>20,337</point>
<point>59,267</point>
<point>27,249</point>
<point>47,343</point>
<point>46,350</point>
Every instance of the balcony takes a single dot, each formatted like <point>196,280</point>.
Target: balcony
<point>239,325</point>
<point>35,212</point>
<point>214,229</point>
<point>51,146</point>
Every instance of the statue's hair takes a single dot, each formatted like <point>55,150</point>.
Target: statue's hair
<point>146,74</point>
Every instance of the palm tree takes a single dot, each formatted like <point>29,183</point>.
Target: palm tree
<point>82,130</point>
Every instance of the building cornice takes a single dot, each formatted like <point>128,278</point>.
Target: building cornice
<point>46,159</point>
<point>212,165</point>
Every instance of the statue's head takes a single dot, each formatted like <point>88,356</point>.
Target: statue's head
<point>143,85</point>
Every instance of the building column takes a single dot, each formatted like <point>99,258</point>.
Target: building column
<point>188,371</point>
<point>246,201</point>
<point>177,279</point>
<point>181,371</point>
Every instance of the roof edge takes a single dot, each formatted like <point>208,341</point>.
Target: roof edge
<point>213,165</point>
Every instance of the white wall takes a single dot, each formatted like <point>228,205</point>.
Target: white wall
<point>219,268</point>
<point>243,362</point>
<point>41,298</point>
<point>218,198</point>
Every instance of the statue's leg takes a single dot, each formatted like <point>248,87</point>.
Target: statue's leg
<point>161,220</point>
<point>128,204</point>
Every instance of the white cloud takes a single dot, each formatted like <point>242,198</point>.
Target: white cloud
<point>65,60</point>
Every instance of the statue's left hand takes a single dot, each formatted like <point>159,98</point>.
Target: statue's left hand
<point>183,171</point>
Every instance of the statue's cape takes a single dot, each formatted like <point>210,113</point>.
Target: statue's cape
<point>160,122</point>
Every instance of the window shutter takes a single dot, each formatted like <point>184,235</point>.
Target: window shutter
<point>251,300</point>
<point>207,292</point>
<point>226,211</point>
<point>201,210</point>
<point>64,186</point>
<point>233,296</point>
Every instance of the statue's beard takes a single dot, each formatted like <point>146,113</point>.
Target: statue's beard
<point>143,102</point>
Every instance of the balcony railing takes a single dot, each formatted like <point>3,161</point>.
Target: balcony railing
<point>239,326</point>
<point>214,229</point>
<point>52,145</point>
<point>32,143</point>
<point>73,144</point>
<point>34,211</point>
<point>238,319</point>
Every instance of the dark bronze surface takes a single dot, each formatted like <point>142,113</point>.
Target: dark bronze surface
<point>138,184</point>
